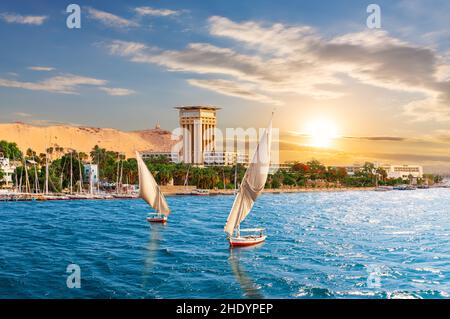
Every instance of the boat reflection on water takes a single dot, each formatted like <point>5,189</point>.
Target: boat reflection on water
<point>153,246</point>
<point>249,287</point>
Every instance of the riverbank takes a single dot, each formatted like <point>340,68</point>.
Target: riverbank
<point>170,191</point>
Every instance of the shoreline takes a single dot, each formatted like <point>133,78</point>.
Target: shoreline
<point>20,197</point>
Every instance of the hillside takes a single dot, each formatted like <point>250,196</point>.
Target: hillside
<point>85,138</point>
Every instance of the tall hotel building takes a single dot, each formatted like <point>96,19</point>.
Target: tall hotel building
<point>199,122</point>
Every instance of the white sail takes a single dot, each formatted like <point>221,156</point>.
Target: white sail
<point>252,184</point>
<point>149,189</point>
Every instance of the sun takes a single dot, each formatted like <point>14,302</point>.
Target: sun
<point>321,133</point>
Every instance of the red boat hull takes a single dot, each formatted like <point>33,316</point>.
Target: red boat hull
<point>157,220</point>
<point>243,242</point>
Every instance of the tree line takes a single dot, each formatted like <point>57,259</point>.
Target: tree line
<point>65,170</point>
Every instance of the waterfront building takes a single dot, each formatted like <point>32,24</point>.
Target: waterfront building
<point>393,171</point>
<point>403,171</point>
<point>216,158</point>
<point>91,173</point>
<point>199,123</point>
<point>8,170</point>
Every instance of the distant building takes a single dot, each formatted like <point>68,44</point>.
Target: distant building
<point>199,122</point>
<point>8,170</point>
<point>403,171</point>
<point>393,171</point>
<point>353,169</point>
<point>91,173</point>
<point>224,158</point>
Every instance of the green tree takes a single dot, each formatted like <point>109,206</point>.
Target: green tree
<point>2,175</point>
<point>10,150</point>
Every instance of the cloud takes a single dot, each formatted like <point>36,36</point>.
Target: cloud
<point>231,88</point>
<point>412,158</point>
<point>442,135</point>
<point>377,138</point>
<point>124,48</point>
<point>148,11</point>
<point>367,138</point>
<point>271,60</point>
<point>117,91</point>
<point>41,68</point>
<point>65,84</point>
<point>110,19</point>
<point>21,19</point>
<point>23,114</point>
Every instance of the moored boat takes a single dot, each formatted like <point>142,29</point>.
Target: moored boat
<point>384,188</point>
<point>405,188</point>
<point>200,192</point>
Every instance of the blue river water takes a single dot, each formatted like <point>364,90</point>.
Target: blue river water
<point>321,245</point>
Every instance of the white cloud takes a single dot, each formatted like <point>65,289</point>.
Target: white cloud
<point>65,84</point>
<point>148,11</point>
<point>21,19</point>
<point>124,48</point>
<point>110,19</point>
<point>41,68</point>
<point>231,88</point>
<point>23,114</point>
<point>117,91</point>
<point>298,60</point>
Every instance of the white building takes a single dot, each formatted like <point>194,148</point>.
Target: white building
<point>8,170</point>
<point>224,158</point>
<point>403,171</point>
<point>393,171</point>
<point>91,173</point>
<point>198,123</point>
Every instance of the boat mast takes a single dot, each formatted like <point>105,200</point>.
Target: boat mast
<point>91,181</point>
<point>27,181</point>
<point>81,174</point>
<point>71,172</point>
<point>186,178</point>
<point>235,174</point>
<point>21,178</point>
<point>37,188</point>
<point>46,171</point>
<point>98,171</point>
<point>121,173</point>
<point>117,173</point>
<point>15,173</point>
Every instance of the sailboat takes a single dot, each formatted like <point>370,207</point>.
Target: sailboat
<point>251,187</point>
<point>151,193</point>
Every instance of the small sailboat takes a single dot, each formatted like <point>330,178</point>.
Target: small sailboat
<point>251,187</point>
<point>151,193</point>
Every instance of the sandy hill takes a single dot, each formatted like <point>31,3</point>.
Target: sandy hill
<point>85,138</point>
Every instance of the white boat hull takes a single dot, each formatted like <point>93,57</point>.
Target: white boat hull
<point>245,241</point>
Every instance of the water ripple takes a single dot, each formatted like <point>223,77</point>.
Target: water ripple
<point>320,245</point>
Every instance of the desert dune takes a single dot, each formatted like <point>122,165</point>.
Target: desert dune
<point>83,139</point>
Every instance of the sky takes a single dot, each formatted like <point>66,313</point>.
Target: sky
<point>343,93</point>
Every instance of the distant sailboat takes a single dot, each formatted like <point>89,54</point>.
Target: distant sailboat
<point>251,187</point>
<point>151,193</point>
